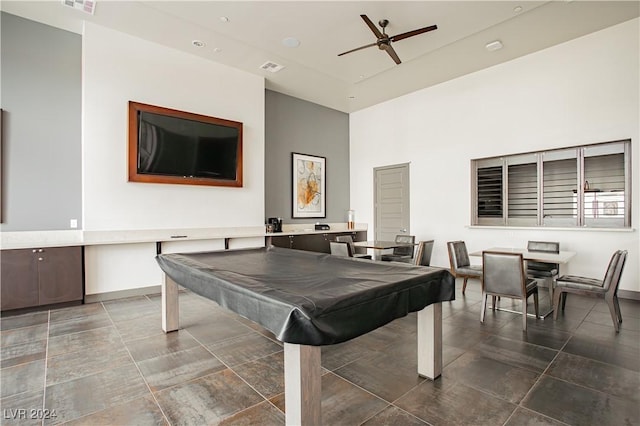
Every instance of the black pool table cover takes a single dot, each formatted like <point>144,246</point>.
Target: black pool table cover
<point>309,298</point>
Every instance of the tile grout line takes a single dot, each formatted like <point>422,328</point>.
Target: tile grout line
<point>46,365</point>
<point>547,369</point>
<point>236,374</point>
<point>164,415</point>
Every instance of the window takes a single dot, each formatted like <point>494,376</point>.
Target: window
<point>587,186</point>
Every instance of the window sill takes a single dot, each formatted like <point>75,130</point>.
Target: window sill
<point>549,228</point>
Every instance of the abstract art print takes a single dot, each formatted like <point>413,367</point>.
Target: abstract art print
<point>309,190</point>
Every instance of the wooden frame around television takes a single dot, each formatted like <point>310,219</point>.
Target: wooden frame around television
<point>134,176</point>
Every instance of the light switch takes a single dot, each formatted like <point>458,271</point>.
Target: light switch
<point>73,223</point>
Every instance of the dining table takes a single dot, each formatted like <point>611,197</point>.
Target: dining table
<point>379,246</point>
<point>561,258</point>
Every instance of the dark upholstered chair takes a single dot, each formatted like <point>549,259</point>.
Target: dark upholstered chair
<point>606,288</point>
<point>544,272</point>
<point>460,265</point>
<point>401,254</point>
<point>340,249</point>
<point>504,276</point>
<point>423,253</point>
<point>347,239</point>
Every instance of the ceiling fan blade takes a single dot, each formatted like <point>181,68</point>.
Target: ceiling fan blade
<point>357,48</point>
<point>413,33</point>
<point>371,25</point>
<point>393,54</point>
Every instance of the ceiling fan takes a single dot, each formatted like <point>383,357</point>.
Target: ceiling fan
<point>384,41</point>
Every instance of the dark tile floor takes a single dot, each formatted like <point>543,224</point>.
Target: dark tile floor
<point>110,363</point>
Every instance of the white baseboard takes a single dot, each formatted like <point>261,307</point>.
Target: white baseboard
<point>628,294</point>
<point>121,294</point>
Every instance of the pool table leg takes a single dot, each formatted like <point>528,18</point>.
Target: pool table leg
<point>430,341</point>
<point>302,384</point>
<point>170,305</point>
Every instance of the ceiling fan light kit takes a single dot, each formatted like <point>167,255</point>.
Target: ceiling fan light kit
<point>384,40</point>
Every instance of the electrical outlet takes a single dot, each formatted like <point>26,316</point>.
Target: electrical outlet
<point>73,223</point>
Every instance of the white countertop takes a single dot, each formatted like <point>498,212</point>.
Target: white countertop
<point>33,239</point>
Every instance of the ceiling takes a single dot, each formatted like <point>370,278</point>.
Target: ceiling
<point>254,31</point>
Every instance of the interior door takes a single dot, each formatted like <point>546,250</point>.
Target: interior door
<point>391,203</point>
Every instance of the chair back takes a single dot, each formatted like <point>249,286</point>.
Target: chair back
<point>347,239</point>
<point>404,251</point>
<point>340,249</point>
<point>503,274</point>
<point>615,282</point>
<point>423,255</point>
<point>544,246</point>
<point>458,255</point>
<point>344,239</point>
<point>614,271</point>
<point>542,269</point>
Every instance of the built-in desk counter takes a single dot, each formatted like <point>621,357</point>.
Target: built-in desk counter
<point>303,238</point>
<point>122,262</point>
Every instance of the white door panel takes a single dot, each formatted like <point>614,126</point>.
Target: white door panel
<point>391,209</point>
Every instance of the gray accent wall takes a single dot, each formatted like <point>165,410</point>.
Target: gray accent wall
<point>41,97</point>
<point>295,125</point>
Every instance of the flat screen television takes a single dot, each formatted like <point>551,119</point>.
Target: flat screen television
<point>171,146</point>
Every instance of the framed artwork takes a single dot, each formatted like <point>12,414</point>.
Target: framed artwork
<point>309,186</point>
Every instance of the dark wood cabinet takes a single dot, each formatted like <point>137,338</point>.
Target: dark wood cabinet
<point>314,242</point>
<point>41,276</point>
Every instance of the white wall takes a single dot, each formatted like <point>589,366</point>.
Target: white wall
<point>580,92</point>
<point>118,68</point>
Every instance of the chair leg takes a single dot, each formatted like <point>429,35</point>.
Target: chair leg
<point>614,315</point>
<point>464,284</point>
<point>564,299</point>
<point>535,303</point>
<point>524,314</point>
<point>550,290</point>
<point>617,306</point>
<point>557,294</point>
<point>493,303</point>
<point>484,306</point>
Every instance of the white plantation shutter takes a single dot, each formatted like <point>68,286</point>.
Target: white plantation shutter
<point>587,186</point>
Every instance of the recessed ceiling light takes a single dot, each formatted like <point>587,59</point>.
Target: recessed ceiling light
<point>291,42</point>
<point>494,45</point>
<point>217,50</point>
<point>517,9</point>
<point>198,43</point>
<point>224,19</point>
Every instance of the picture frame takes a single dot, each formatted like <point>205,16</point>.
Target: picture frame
<point>309,186</point>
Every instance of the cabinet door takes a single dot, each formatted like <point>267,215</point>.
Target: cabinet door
<point>19,279</point>
<point>312,242</point>
<point>60,275</point>
<point>283,241</point>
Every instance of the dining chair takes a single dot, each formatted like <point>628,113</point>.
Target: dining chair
<point>423,253</point>
<point>461,267</point>
<point>347,239</point>
<point>340,249</point>
<point>543,271</point>
<point>504,276</point>
<point>401,254</point>
<point>606,288</point>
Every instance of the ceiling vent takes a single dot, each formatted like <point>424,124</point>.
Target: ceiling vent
<point>271,66</point>
<point>87,6</point>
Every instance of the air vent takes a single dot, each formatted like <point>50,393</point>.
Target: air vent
<point>87,6</point>
<point>271,66</point>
